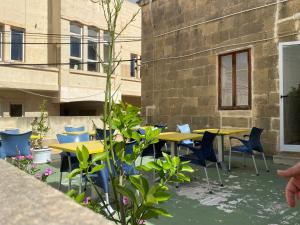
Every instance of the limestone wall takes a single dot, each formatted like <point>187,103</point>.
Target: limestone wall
<point>185,89</point>
<point>39,203</point>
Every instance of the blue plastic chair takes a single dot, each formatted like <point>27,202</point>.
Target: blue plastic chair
<point>185,129</point>
<point>250,143</point>
<point>205,152</point>
<point>74,129</point>
<point>100,133</point>
<point>64,166</point>
<point>102,179</point>
<point>14,144</point>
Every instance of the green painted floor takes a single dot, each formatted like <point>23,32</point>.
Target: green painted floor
<point>245,198</point>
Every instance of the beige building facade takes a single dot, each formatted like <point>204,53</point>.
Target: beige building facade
<point>218,64</point>
<point>57,46</point>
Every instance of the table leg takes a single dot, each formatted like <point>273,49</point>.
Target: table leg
<point>174,149</point>
<point>70,169</point>
<point>220,148</point>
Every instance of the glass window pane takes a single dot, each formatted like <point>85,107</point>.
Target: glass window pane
<point>16,110</point>
<point>75,64</point>
<point>92,50</point>
<point>17,45</point>
<point>105,36</point>
<point>242,78</point>
<point>226,80</point>
<point>92,66</point>
<point>75,48</point>
<point>105,53</point>
<point>133,65</point>
<point>92,33</point>
<point>75,28</point>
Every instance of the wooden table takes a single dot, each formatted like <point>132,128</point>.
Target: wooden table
<point>176,137</point>
<point>93,147</point>
<point>222,133</point>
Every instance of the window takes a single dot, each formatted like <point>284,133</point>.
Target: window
<point>93,51</point>
<point>75,46</point>
<point>133,65</point>
<point>17,47</point>
<point>16,110</point>
<point>105,49</point>
<point>235,80</point>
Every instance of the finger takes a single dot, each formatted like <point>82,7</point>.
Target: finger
<point>290,192</point>
<point>290,172</point>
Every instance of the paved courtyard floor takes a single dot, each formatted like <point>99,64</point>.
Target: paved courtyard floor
<point>245,199</point>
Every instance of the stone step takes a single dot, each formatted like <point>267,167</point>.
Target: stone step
<point>287,158</point>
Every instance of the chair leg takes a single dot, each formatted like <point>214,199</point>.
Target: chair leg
<point>219,175</point>
<point>266,165</point>
<point>207,180</point>
<point>253,157</point>
<point>60,179</point>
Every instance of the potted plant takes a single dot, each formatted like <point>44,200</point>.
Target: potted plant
<point>40,153</point>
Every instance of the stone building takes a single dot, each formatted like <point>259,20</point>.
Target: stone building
<point>220,63</point>
<point>66,36</point>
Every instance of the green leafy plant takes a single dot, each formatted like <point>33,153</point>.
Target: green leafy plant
<point>135,199</point>
<point>40,127</point>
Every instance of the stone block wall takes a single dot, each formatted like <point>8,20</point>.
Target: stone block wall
<point>180,48</point>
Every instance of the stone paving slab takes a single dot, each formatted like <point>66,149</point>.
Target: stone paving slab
<point>25,200</point>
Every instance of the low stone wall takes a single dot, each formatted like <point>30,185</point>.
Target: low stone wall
<point>56,123</point>
<point>27,201</point>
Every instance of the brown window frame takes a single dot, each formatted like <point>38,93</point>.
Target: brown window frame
<point>234,106</point>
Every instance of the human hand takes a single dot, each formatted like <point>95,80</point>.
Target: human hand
<point>292,189</point>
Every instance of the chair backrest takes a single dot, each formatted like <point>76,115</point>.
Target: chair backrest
<point>74,129</point>
<point>129,147</point>
<point>12,131</point>
<point>62,138</point>
<point>12,143</point>
<point>208,140</point>
<point>185,129</point>
<point>162,127</point>
<point>254,139</point>
<point>100,133</point>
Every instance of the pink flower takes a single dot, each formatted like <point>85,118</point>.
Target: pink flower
<point>38,176</point>
<point>33,165</point>
<point>29,157</point>
<point>48,172</point>
<point>125,200</point>
<point>20,157</point>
